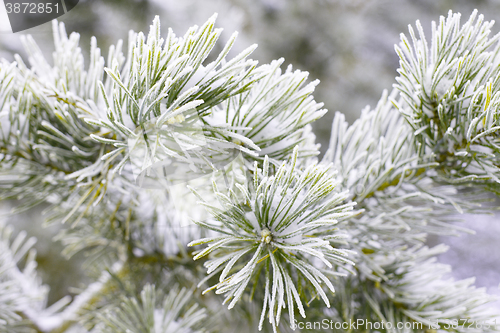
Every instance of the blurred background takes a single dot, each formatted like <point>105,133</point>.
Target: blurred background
<point>347,44</point>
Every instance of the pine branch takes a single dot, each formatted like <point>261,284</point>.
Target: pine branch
<point>104,145</point>
<point>450,96</point>
<point>151,313</point>
<point>283,225</point>
<point>274,114</point>
<point>21,290</point>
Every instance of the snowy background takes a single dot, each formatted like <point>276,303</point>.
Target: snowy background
<point>347,44</point>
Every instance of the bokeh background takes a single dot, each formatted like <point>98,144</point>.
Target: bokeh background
<point>347,44</point>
